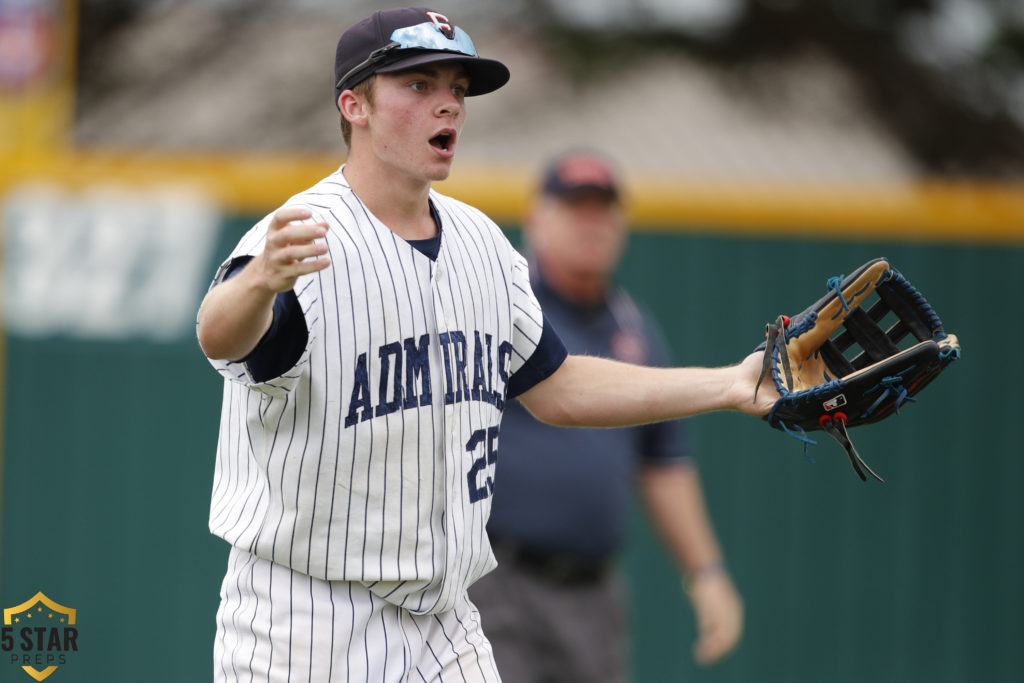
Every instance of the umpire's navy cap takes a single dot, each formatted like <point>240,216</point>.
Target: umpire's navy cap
<point>575,172</point>
<point>397,39</point>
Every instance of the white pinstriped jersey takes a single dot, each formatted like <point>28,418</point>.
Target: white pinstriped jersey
<point>372,458</point>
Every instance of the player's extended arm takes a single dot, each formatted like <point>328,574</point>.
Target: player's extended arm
<point>674,499</point>
<point>235,314</point>
<point>588,391</point>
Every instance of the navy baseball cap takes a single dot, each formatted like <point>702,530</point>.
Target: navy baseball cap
<point>397,39</point>
<point>578,171</point>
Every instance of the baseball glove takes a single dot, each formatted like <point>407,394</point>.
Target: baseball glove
<point>844,361</point>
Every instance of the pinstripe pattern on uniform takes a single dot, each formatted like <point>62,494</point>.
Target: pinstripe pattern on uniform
<point>344,468</point>
<point>363,242</point>
<point>276,625</point>
<point>478,257</point>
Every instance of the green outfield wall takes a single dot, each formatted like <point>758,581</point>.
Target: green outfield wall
<point>108,450</point>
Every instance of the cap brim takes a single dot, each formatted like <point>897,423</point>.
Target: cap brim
<point>485,75</point>
<point>609,193</point>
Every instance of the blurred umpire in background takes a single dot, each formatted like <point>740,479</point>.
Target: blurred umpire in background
<point>554,609</point>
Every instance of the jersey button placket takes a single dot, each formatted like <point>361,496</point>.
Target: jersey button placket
<point>445,321</point>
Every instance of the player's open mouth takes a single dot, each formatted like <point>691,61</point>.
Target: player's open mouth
<point>443,141</point>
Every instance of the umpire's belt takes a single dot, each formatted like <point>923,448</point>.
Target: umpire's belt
<point>555,567</point>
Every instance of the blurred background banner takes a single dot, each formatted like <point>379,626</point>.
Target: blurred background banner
<point>767,146</point>
<point>107,263</point>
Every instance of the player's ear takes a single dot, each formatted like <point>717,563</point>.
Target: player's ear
<point>353,107</point>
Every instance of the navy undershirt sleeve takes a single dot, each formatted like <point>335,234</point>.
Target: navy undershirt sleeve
<point>547,357</point>
<point>282,345</point>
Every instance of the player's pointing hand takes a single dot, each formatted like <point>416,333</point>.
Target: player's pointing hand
<point>292,249</point>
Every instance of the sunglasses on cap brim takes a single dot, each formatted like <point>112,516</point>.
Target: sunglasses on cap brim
<point>425,36</point>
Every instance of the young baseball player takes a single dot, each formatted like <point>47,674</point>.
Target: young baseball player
<point>370,333</point>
